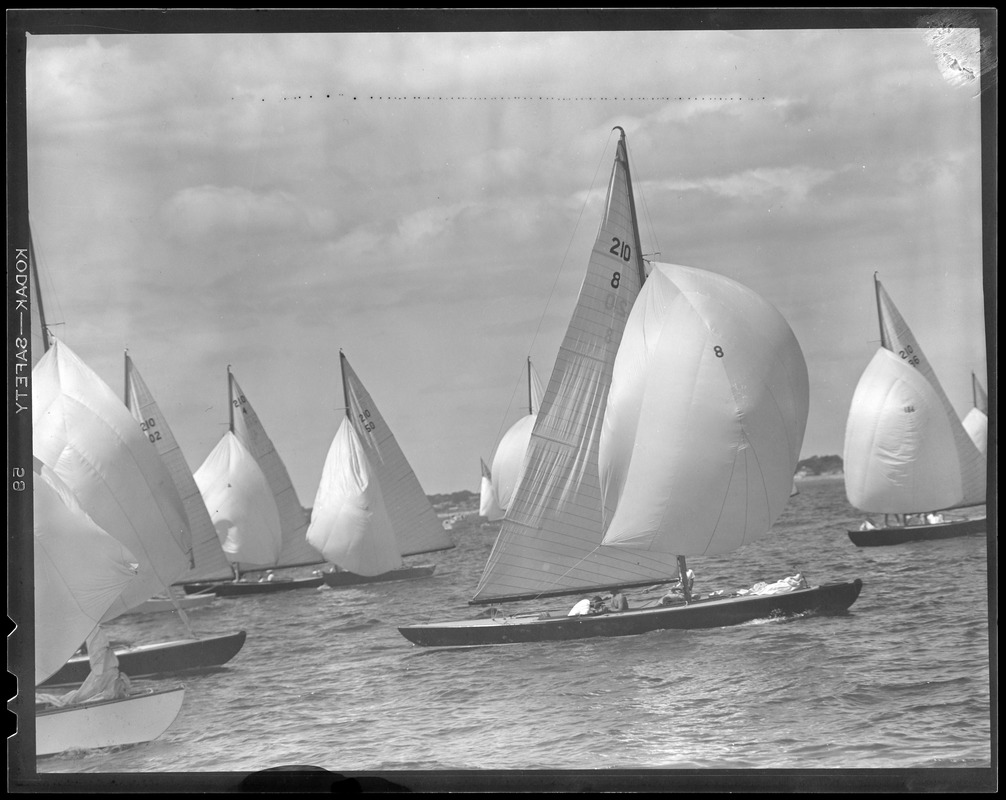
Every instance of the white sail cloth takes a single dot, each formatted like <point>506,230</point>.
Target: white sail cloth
<point>210,561</point>
<point>417,528</point>
<point>248,428</point>
<point>705,416</point>
<point>350,526</point>
<point>488,504</point>
<point>84,433</point>
<point>241,504</point>
<point>898,442</point>
<point>80,571</point>
<point>509,460</point>
<point>976,423</point>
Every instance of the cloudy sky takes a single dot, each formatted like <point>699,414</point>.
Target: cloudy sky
<point>427,203</point>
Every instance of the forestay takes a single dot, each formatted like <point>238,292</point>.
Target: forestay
<point>905,449</point>
<point>79,572</point>
<point>210,561</point>
<point>249,430</point>
<point>84,433</point>
<point>550,542</point>
<point>413,519</point>
<point>349,521</point>
<point>241,505</point>
<point>705,417</point>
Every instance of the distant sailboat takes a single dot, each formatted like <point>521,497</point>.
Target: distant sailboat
<point>85,435</point>
<point>370,510</point>
<point>254,543</point>
<point>678,438</point>
<point>976,423</point>
<point>79,571</point>
<point>906,452</point>
<point>209,558</point>
<point>509,458</point>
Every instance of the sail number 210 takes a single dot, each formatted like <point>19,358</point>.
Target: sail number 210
<point>622,250</point>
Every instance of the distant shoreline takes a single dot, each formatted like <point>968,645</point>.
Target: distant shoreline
<point>824,476</point>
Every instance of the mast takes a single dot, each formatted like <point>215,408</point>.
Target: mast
<point>342,373</point>
<point>230,401</point>
<point>125,379</point>
<point>530,408</point>
<point>46,344</point>
<point>880,314</point>
<point>974,390</point>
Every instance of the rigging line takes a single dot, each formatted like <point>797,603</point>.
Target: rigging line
<point>555,282</point>
<point>646,209</point>
<point>52,298</point>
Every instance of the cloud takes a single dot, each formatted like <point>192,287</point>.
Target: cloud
<point>234,210</point>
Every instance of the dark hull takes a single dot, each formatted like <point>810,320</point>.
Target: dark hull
<point>164,658</point>
<point>244,588</point>
<point>339,580</point>
<point>900,534</point>
<point>832,598</point>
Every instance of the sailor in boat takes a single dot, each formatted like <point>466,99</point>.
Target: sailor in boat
<point>588,606</point>
<point>617,602</point>
<point>678,593</point>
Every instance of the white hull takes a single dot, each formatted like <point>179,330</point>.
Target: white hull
<point>107,723</point>
<point>159,605</point>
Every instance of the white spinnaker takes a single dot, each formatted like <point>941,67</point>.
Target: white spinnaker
<point>241,505</point>
<point>705,417</point>
<point>80,571</point>
<point>83,432</point>
<point>349,521</point>
<point>899,443</point>
<point>210,561</point>
<point>417,528</point>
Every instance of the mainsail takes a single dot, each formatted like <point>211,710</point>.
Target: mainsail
<point>976,423</point>
<point>905,449</point>
<point>245,424</point>
<point>241,505</point>
<point>705,417</point>
<point>80,571</point>
<point>84,434</point>
<point>416,526</point>
<point>210,561</point>
<point>349,521</point>
<point>550,542</point>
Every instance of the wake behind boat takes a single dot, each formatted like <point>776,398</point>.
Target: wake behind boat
<point>671,426</point>
<point>907,455</point>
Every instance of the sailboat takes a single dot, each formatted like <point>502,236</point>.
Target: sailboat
<point>79,571</point>
<point>370,510</point>
<point>500,480</point>
<point>209,558</point>
<point>259,550</point>
<point>671,426</point>
<point>906,452</point>
<point>85,435</point>
<point>976,423</point>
